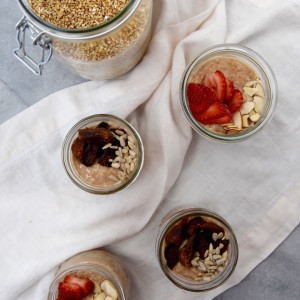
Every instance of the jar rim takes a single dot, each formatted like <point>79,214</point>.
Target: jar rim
<point>173,217</point>
<point>255,59</point>
<point>81,267</point>
<point>83,33</point>
<point>67,155</point>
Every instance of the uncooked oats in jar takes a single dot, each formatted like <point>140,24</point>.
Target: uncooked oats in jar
<point>96,39</point>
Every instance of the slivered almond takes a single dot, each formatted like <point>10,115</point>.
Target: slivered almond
<point>246,107</point>
<point>237,119</point>
<point>259,103</point>
<point>250,91</point>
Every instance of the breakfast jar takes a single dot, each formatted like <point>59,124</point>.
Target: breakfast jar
<point>196,249</point>
<point>95,39</point>
<point>94,274</point>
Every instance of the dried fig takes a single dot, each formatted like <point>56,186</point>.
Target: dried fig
<point>175,234</point>
<point>186,253</point>
<point>78,148</point>
<point>89,156</point>
<point>194,224</point>
<point>96,135</point>
<point>171,255</point>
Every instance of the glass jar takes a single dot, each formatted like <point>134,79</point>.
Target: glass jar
<point>97,265</point>
<point>194,285</point>
<point>255,62</point>
<point>77,171</point>
<point>101,52</point>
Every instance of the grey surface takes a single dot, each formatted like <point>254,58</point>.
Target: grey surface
<point>275,278</point>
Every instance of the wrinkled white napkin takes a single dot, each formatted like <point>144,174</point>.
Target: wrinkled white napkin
<point>255,184</point>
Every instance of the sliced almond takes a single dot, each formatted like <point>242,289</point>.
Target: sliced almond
<point>255,117</point>
<point>245,121</point>
<point>246,107</point>
<point>97,289</point>
<point>100,296</point>
<point>237,119</point>
<point>259,104</point>
<point>250,91</point>
<point>246,98</point>
<point>260,91</point>
<point>251,83</point>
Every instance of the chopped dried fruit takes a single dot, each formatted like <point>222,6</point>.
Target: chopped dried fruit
<point>87,286</point>
<point>69,291</point>
<point>236,102</point>
<point>171,255</point>
<point>212,227</point>
<point>201,244</point>
<point>78,148</point>
<point>96,135</point>
<point>194,225</point>
<point>89,156</point>
<point>186,253</point>
<point>175,235</point>
<point>103,125</point>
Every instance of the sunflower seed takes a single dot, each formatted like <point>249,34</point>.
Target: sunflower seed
<point>206,254</point>
<point>124,150</point>
<point>106,146</point>
<point>196,254</point>
<point>132,153</point>
<point>220,235</point>
<point>113,178</point>
<point>220,261</point>
<point>194,262</point>
<point>215,257</point>
<point>131,167</point>
<point>220,269</point>
<point>131,145</point>
<point>131,139</point>
<point>221,246</point>
<point>225,254</point>
<point>114,147</point>
<point>210,249</point>
<point>217,250</point>
<point>183,244</point>
<point>122,142</point>
<point>119,132</point>
<point>214,236</point>
<point>115,165</point>
<point>206,278</point>
<point>202,266</point>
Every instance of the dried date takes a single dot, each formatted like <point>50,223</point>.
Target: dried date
<point>89,156</point>
<point>96,135</point>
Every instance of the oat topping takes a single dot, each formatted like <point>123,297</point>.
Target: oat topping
<point>75,14</point>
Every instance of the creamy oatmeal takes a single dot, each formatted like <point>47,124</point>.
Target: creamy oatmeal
<point>97,272</point>
<point>225,95</point>
<point>196,248</point>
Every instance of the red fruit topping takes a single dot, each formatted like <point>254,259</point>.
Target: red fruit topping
<point>171,255</point>
<point>221,120</point>
<point>201,244</point>
<point>69,291</point>
<point>187,252</point>
<point>212,227</point>
<point>87,286</point>
<point>236,102</point>
<point>175,235</point>
<point>217,82</point>
<point>194,225</point>
<point>229,90</point>
<point>213,113</point>
<point>200,97</point>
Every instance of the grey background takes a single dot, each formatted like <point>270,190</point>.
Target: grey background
<point>275,278</point>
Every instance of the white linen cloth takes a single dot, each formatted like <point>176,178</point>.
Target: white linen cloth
<point>255,184</point>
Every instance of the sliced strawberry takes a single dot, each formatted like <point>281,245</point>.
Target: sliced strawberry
<point>69,291</point>
<point>200,97</point>
<point>217,82</point>
<point>215,111</point>
<point>197,93</point>
<point>87,286</point>
<point>221,120</point>
<point>236,102</point>
<point>229,90</point>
